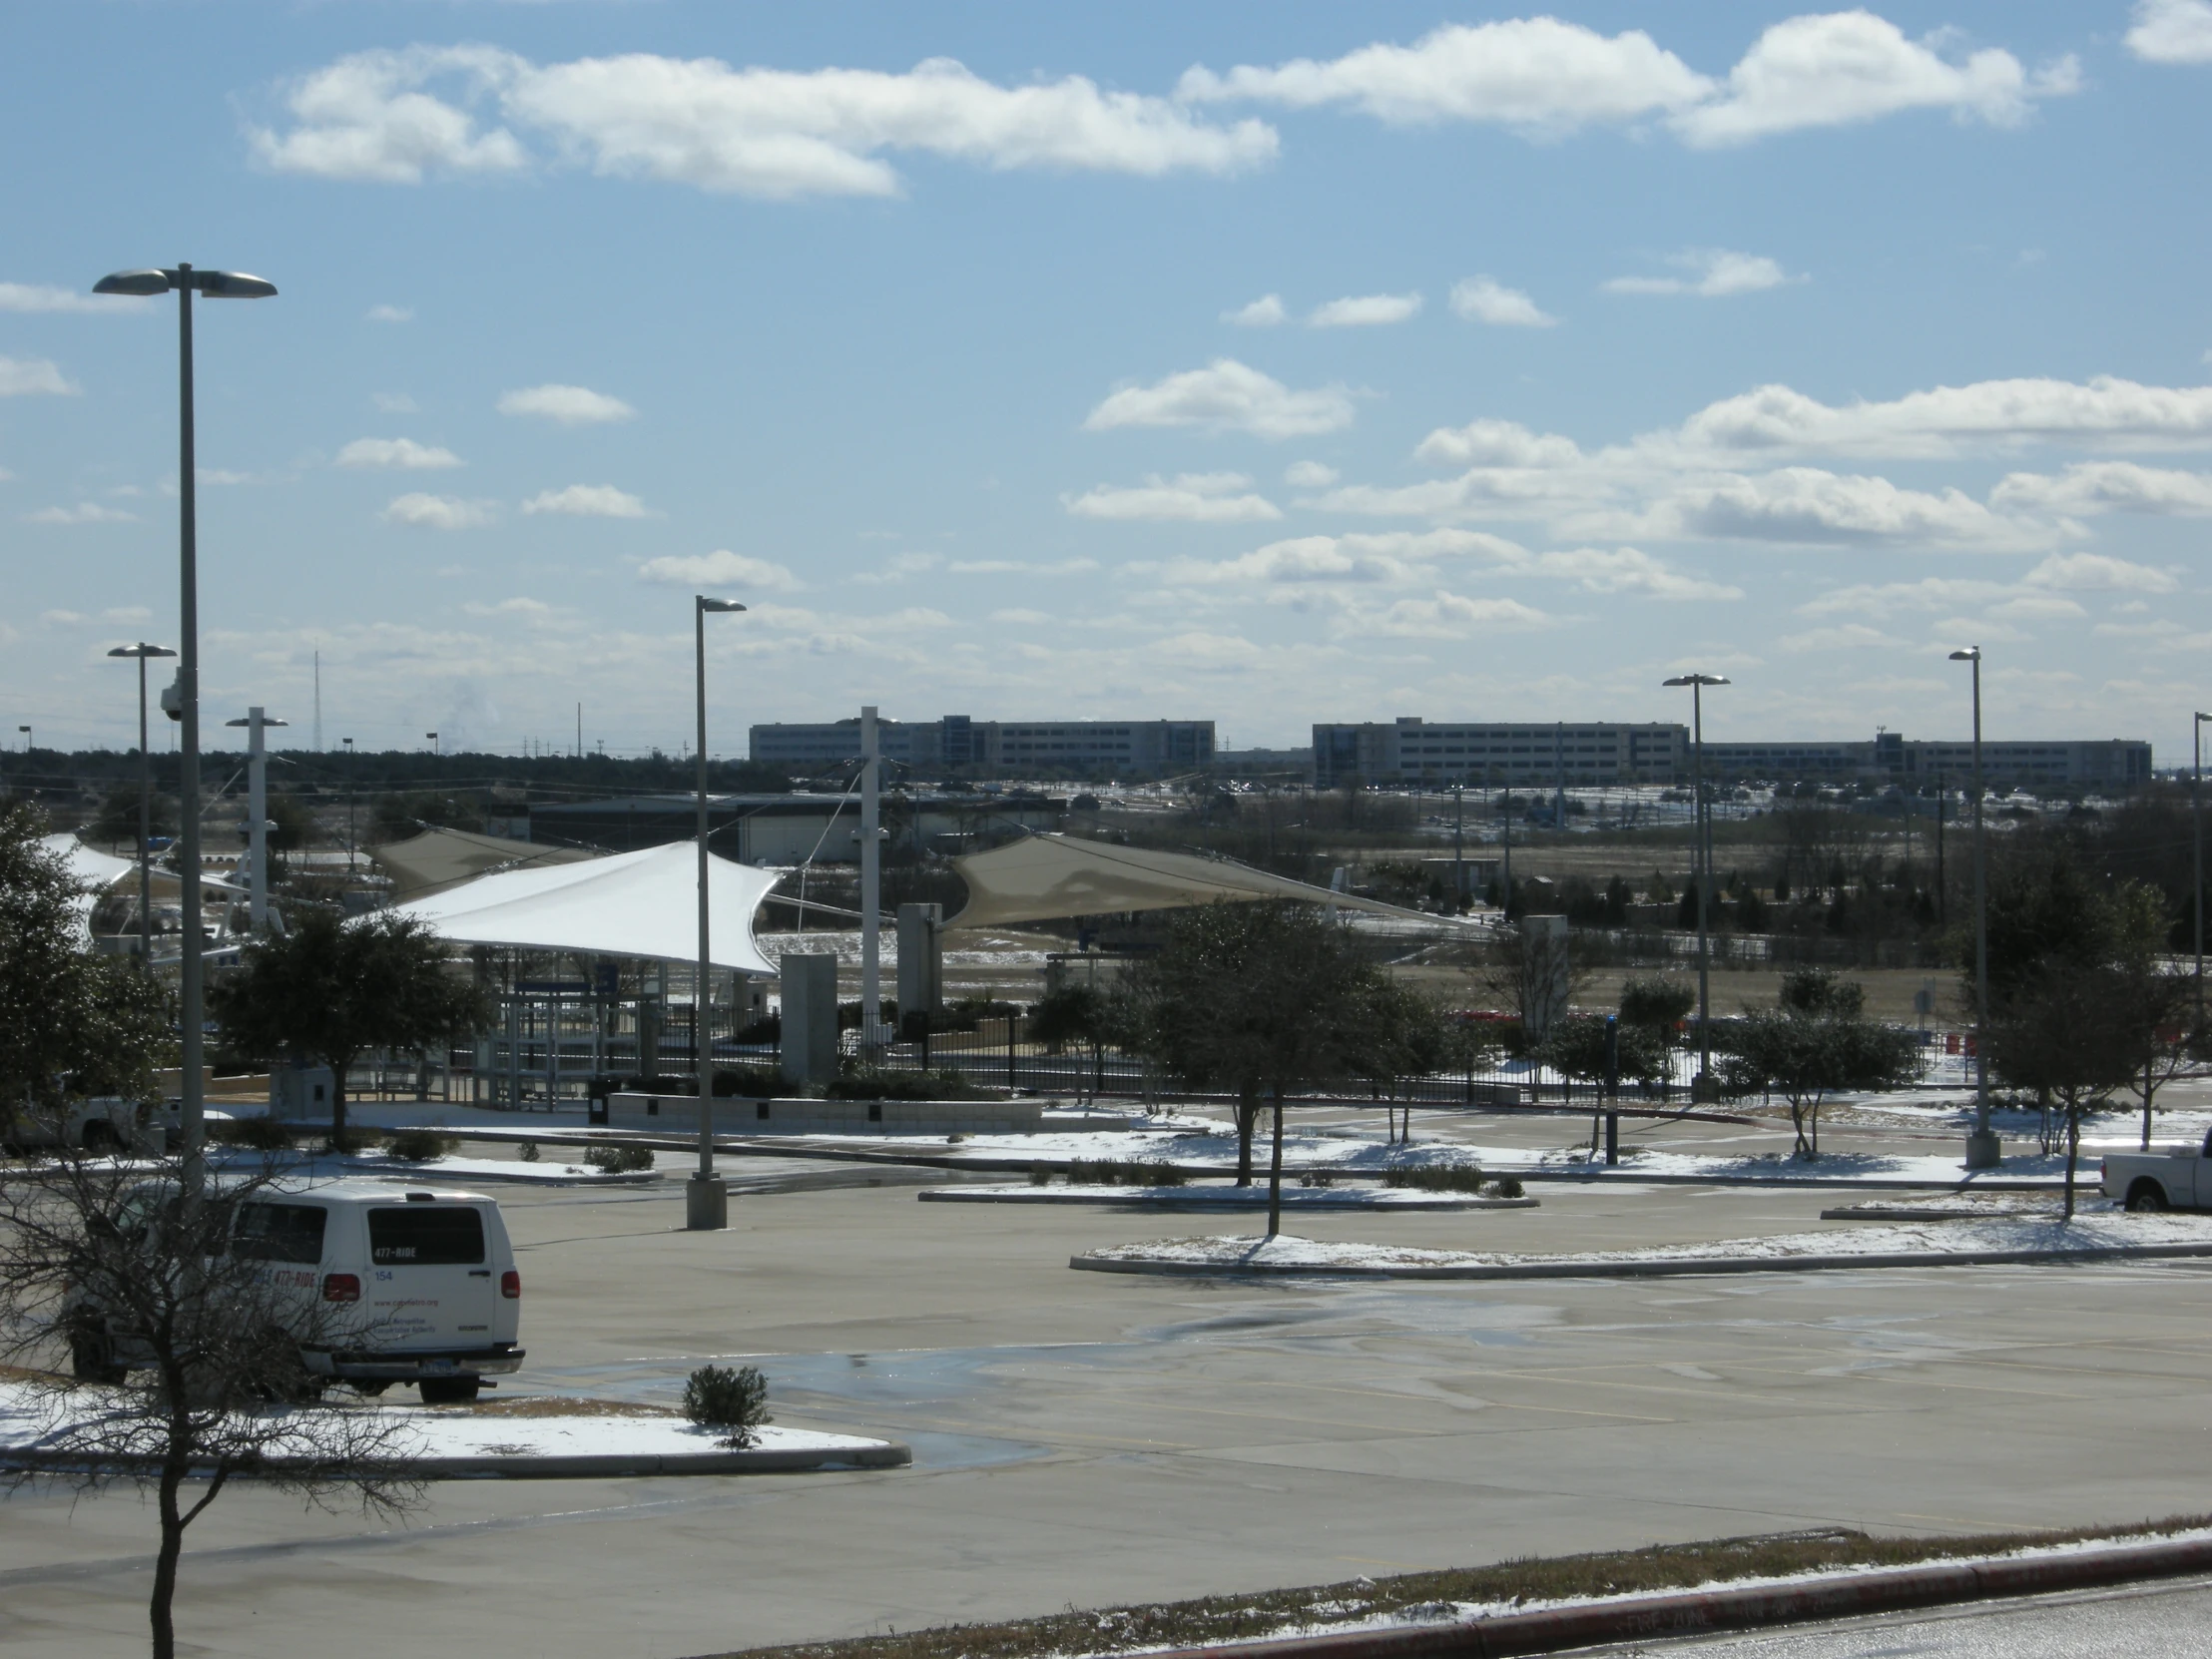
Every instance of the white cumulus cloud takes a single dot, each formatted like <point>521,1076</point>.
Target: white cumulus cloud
<point>719,569</point>
<point>1536,75</point>
<point>1192,497</point>
<point>2172,31</point>
<point>1841,68</point>
<point>1226,395</point>
<point>2107,487</point>
<point>2096,572</point>
<point>32,377</point>
<point>398,117</point>
<point>1364,311</point>
<point>390,314</point>
<point>587,501</point>
<point>1267,311</point>
<point>1310,475</point>
<point>34,296</point>
<point>85,512</point>
<point>568,405</point>
<point>437,512</point>
<point>398,452</point>
<point>1485,300</point>
<point>1715,273</point>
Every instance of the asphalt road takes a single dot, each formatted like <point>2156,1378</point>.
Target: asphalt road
<point>2164,1620</point>
<point>1093,1439</point>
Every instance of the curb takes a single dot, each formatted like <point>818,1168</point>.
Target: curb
<point>1689,1266</point>
<point>1698,1612</point>
<point>1131,1199</point>
<point>880,1455</point>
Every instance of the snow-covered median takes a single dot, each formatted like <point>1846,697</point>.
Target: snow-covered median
<point>1935,1244</point>
<point>1214,1195</point>
<point>518,1439</point>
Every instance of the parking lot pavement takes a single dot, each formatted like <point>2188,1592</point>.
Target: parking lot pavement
<point>2168,1619</point>
<point>1090,1439</point>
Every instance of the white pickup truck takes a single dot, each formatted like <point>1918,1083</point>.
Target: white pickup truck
<point>108,1124</point>
<point>2177,1179</point>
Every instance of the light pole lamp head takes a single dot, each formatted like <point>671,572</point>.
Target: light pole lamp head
<point>1698,679</point>
<point>705,604</point>
<point>1968,654</point>
<point>266,720</point>
<point>2201,714</point>
<point>142,649</point>
<point>215,284</point>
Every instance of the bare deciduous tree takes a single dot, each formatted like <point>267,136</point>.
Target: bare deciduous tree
<point>182,1321</point>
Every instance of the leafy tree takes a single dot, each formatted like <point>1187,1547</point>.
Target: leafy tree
<point>107,1262</point>
<point>1576,1047</point>
<point>1263,1000</point>
<point>117,822</point>
<point>2068,1032</point>
<point>1081,1013</point>
<point>1814,1042</point>
<point>398,816</point>
<point>1659,1002</point>
<point>327,992</point>
<point>72,1023</point>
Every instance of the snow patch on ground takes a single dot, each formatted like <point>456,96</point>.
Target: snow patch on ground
<point>2107,1230</point>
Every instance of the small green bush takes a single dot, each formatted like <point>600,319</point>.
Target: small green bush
<point>1316,1178</point>
<point>1040,1175</point>
<point>1122,1172</point>
<point>529,1153</point>
<point>419,1146</point>
<point>1507,1188</point>
<point>355,1141</point>
<point>611,1158</point>
<point>1435,1178</point>
<point>716,1397</point>
<point>262,1134</point>
<point>878,1083</point>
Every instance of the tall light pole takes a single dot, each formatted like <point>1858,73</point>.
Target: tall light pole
<point>2197,839</point>
<point>26,731</point>
<point>1703,1086</point>
<point>705,1200</point>
<point>1982,1148</point>
<point>256,724</point>
<point>184,282</point>
<point>141,651</point>
<point>431,738</point>
<point>349,789</point>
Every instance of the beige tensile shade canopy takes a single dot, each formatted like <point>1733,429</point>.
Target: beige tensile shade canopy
<point>1049,877</point>
<point>439,858</point>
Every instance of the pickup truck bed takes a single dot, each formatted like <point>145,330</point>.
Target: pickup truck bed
<point>2177,1179</point>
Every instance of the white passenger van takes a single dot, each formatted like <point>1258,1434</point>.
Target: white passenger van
<point>406,1285</point>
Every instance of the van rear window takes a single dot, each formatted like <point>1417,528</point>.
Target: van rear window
<point>425,1236</point>
<point>280,1233</point>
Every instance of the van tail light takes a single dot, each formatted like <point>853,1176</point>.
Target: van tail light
<point>340,1286</point>
<point>510,1285</point>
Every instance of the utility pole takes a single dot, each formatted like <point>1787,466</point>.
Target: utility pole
<point>351,787</point>
<point>1982,1148</point>
<point>1458,844</point>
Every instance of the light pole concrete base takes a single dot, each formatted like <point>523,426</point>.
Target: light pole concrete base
<point>705,1204</point>
<point>1705,1089</point>
<point>1983,1149</point>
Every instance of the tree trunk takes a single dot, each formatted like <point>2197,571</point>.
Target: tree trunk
<point>2146,1105</point>
<point>161,1607</point>
<point>2073,1152</point>
<point>338,1070</point>
<point>1248,1119</point>
<point>1275,1172</point>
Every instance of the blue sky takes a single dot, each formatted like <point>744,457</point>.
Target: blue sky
<point>1267,362</point>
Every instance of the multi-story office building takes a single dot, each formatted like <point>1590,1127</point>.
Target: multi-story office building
<point>956,743</point>
<point>1411,751</point>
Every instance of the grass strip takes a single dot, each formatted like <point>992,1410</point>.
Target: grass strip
<point>1434,1597</point>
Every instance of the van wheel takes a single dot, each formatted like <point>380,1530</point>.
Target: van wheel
<point>101,1137</point>
<point>2146,1196</point>
<point>449,1390</point>
<point>91,1362</point>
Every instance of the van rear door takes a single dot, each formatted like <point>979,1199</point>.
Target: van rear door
<point>431,1277</point>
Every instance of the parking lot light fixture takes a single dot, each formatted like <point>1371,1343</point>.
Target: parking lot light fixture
<point>185,280</point>
<point>1984,1150</point>
<point>1703,1086</point>
<point>705,1200</point>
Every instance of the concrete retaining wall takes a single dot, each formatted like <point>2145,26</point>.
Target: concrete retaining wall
<point>678,1114</point>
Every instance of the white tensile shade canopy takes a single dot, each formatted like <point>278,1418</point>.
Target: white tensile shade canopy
<point>628,905</point>
<point>91,869</point>
<point>439,858</point>
<point>1047,877</point>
